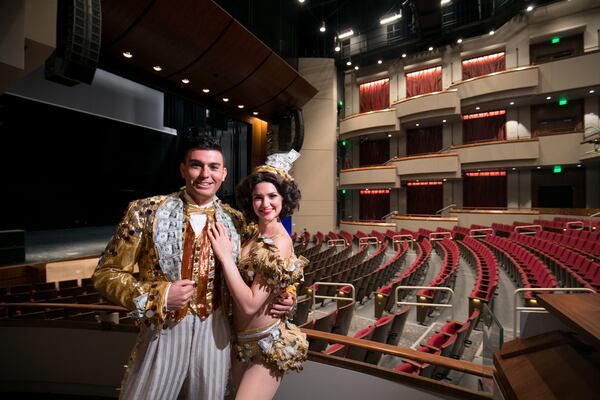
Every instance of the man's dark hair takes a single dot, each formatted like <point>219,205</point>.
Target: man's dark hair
<point>195,138</point>
<point>288,190</point>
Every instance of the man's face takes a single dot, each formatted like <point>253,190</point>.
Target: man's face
<point>203,171</point>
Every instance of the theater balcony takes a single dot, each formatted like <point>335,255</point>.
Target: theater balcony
<point>429,166</point>
<point>502,152</point>
<point>570,73</point>
<point>353,226</point>
<point>380,176</point>
<point>368,123</point>
<point>498,85</point>
<point>436,104</point>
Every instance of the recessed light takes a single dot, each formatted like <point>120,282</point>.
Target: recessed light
<point>478,108</point>
<point>514,169</point>
<point>591,91</point>
<point>416,124</point>
<point>225,99</point>
<point>206,90</point>
<point>337,48</point>
<point>157,68</point>
<point>444,179</point>
<point>512,103</point>
<point>430,48</point>
<point>529,8</point>
<point>240,106</point>
<point>389,135</point>
<point>548,97</point>
<point>403,55</point>
<point>127,54</point>
<point>322,28</point>
<point>254,112</point>
<point>492,32</point>
<point>459,40</point>
<point>478,170</point>
<point>578,165</point>
<point>444,121</point>
<point>348,63</point>
<point>356,67</point>
<point>379,61</point>
<point>300,1</point>
<point>185,81</point>
<point>538,167</point>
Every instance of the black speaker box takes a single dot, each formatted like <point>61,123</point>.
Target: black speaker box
<point>78,34</point>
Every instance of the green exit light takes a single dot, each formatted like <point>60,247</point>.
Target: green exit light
<point>557,169</point>
<point>562,102</point>
<point>555,40</point>
<point>343,191</point>
<point>341,103</point>
<point>343,142</point>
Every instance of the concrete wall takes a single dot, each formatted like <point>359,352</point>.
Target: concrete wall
<point>315,169</point>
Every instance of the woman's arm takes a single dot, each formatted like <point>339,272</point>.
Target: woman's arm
<point>249,299</point>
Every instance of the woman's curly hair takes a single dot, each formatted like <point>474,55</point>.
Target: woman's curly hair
<point>287,189</point>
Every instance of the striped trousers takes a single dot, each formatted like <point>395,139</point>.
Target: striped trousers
<point>190,360</point>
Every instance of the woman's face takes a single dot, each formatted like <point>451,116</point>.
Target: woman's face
<point>266,201</point>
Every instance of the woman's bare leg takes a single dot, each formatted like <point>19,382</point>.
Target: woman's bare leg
<point>237,371</point>
<point>258,383</point>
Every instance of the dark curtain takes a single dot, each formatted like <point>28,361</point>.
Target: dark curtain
<point>483,65</point>
<point>374,95</point>
<point>374,205</point>
<point>552,118</point>
<point>423,81</point>
<point>484,191</point>
<point>374,152</point>
<point>424,140</point>
<point>426,199</point>
<point>484,127</point>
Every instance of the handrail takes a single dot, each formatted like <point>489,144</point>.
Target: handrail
<point>536,227</point>
<point>318,296</point>
<point>336,242</point>
<point>419,356</point>
<point>579,225</point>
<point>435,236</point>
<point>590,218</point>
<point>438,288</point>
<point>389,214</point>
<point>538,309</point>
<point>404,238</point>
<point>72,306</point>
<point>477,230</point>
<point>368,240</point>
<point>441,210</point>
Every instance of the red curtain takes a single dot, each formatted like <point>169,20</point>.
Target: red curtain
<point>484,191</point>
<point>483,65</point>
<point>424,199</point>
<point>374,152</point>
<point>374,206</point>
<point>423,81</point>
<point>484,126</point>
<point>374,95</point>
<point>423,140</point>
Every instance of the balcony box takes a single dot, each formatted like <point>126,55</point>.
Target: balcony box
<point>381,176</point>
<point>426,166</point>
<point>369,122</point>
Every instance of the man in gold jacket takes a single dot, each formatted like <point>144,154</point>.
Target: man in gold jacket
<point>180,297</point>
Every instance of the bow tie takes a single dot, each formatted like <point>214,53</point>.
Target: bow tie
<point>195,209</point>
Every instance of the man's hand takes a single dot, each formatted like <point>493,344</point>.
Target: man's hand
<point>282,305</point>
<point>180,293</point>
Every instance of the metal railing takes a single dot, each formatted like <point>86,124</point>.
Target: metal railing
<point>578,225</point>
<point>368,240</point>
<point>438,288</point>
<point>537,309</point>
<point>534,227</point>
<point>436,236</point>
<point>474,233</point>
<point>320,296</point>
<point>389,214</point>
<point>336,242</point>
<point>441,210</point>
<point>398,239</point>
<point>590,218</point>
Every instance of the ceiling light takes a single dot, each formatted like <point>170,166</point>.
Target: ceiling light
<point>185,81</point>
<point>346,34</point>
<point>492,32</point>
<point>477,108</point>
<point>379,62</point>
<point>348,63</point>
<point>416,124</point>
<point>444,121</point>
<point>389,135</point>
<point>206,90</point>
<point>444,2</point>
<point>403,55</point>
<point>240,106</point>
<point>548,97</point>
<point>254,112</point>
<point>225,99</point>
<point>529,8</point>
<point>301,1</point>
<point>390,18</point>
<point>356,67</point>
<point>591,91</point>
<point>578,165</point>
<point>512,103</point>
<point>514,169</point>
<point>157,68</point>
<point>322,28</point>
<point>459,40</point>
<point>337,48</point>
<point>444,180</point>
<point>538,167</point>
<point>127,54</point>
<point>430,48</point>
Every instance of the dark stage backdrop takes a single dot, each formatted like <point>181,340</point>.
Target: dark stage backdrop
<point>63,169</point>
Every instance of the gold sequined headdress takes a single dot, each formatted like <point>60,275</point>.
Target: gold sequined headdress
<point>280,164</point>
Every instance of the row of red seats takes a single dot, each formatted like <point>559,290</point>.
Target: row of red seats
<point>586,246</point>
<point>486,266</point>
<point>450,257</point>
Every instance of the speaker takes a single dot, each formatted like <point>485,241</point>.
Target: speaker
<point>78,34</point>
